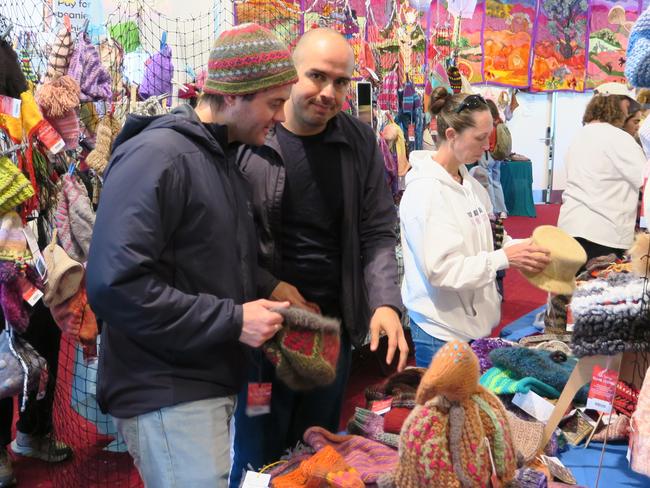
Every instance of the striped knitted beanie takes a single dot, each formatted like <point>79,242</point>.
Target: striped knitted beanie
<point>247,59</point>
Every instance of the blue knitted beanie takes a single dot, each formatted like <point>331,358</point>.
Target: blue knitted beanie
<point>637,66</point>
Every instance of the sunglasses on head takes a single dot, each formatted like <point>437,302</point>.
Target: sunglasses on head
<point>471,102</point>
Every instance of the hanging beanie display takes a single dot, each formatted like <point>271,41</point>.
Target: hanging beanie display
<point>14,307</point>
<point>59,100</point>
<point>74,218</point>
<point>455,79</point>
<point>246,59</point>
<point>12,79</point>
<point>14,187</point>
<point>158,73</point>
<point>61,49</point>
<point>87,70</point>
<point>111,55</point>
<point>13,245</point>
<point>443,441</point>
<point>107,131</point>
<point>64,275</point>
<point>637,65</point>
<point>305,350</point>
<point>127,34</point>
<point>387,98</point>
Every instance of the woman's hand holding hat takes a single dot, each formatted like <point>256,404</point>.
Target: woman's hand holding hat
<point>526,256</point>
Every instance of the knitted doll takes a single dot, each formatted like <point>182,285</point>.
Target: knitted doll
<point>457,431</point>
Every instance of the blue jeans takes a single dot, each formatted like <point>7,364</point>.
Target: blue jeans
<point>184,445</point>
<point>426,346</point>
<point>264,439</point>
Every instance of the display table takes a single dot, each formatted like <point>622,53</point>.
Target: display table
<point>616,472</point>
<point>517,184</point>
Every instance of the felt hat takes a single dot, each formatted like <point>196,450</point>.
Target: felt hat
<point>15,188</point>
<point>637,64</point>
<point>64,275</point>
<point>613,88</point>
<point>305,350</point>
<point>13,244</point>
<point>567,256</point>
<point>246,59</point>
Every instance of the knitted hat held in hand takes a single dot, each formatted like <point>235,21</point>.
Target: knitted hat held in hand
<point>15,188</point>
<point>246,59</point>
<point>637,65</point>
<point>87,70</point>
<point>443,441</point>
<point>305,351</point>
<point>64,275</point>
<point>107,131</point>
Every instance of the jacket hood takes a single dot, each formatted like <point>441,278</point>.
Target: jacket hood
<point>182,119</point>
<point>424,166</point>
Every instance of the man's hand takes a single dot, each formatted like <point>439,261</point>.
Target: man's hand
<point>259,323</point>
<point>385,321</point>
<point>285,292</point>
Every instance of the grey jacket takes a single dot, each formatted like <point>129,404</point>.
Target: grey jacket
<point>369,274</point>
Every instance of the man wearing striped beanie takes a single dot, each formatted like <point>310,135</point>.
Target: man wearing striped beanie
<point>171,267</point>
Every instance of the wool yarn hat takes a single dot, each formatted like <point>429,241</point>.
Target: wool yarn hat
<point>58,97</point>
<point>455,79</point>
<point>246,59</point>
<point>482,348</point>
<point>68,128</point>
<point>158,72</point>
<point>13,244</point>
<point>76,319</point>
<point>87,70</point>
<point>371,425</point>
<point>11,294</point>
<point>74,218</point>
<point>61,49</point>
<point>107,131</point>
<point>637,64</point>
<point>64,275</point>
<point>567,256</point>
<point>305,350</point>
<point>526,436</point>
<point>530,478</point>
<point>15,188</point>
<point>610,316</point>
<point>443,441</point>
<point>504,382</point>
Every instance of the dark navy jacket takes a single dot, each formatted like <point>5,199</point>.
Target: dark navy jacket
<point>171,261</point>
<point>369,265</point>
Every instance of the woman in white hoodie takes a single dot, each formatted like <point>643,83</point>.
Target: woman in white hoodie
<point>450,264</point>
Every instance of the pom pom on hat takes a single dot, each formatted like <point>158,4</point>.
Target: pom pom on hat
<point>246,59</point>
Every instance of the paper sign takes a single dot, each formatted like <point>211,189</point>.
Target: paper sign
<point>534,405</point>
<point>602,390</point>
<point>381,406</point>
<point>10,106</point>
<point>259,399</point>
<point>256,480</point>
<point>569,319</point>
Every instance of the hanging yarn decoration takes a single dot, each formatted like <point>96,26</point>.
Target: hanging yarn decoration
<point>107,130</point>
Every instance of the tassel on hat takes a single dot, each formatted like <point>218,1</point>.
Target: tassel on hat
<point>107,131</point>
<point>58,97</point>
<point>306,350</point>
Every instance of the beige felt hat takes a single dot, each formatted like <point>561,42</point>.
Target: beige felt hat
<point>567,256</point>
<point>64,274</point>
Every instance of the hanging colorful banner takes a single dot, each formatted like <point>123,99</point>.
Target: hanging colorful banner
<point>560,40</point>
<point>507,41</point>
<point>469,45</point>
<point>610,24</point>
<point>281,16</point>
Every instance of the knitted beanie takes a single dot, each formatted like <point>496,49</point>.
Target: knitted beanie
<point>637,65</point>
<point>503,382</point>
<point>68,128</point>
<point>482,348</point>
<point>74,218</point>
<point>530,478</point>
<point>158,73</point>
<point>64,275</point>
<point>455,80</point>
<point>57,63</point>
<point>306,350</point>
<point>13,244</point>
<point>246,59</point>
<point>15,188</point>
<point>371,425</point>
<point>11,297</point>
<point>107,131</point>
<point>87,70</point>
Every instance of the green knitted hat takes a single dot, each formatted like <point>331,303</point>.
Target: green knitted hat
<point>305,351</point>
<point>247,59</point>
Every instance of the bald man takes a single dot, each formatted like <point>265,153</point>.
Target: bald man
<point>326,226</point>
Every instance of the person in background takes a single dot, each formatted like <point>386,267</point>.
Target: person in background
<point>450,261</point>
<point>633,119</point>
<point>493,166</point>
<point>173,264</point>
<point>326,223</point>
<point>604,168</point>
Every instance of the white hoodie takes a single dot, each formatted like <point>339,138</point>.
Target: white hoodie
<point>450,266</point>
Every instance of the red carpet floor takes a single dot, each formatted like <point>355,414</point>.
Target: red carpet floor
<point>520,298</point>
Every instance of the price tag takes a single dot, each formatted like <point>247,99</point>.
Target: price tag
<point>602,390</point>
<point>49,137</point>
<point>256,480</point>
<point>10,106</point>
<point>569,319</point>
<point>381,406</point>
<point>411,132</point>
<point>259,399</point>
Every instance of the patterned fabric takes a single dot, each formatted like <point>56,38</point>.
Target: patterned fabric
<point>247,59</point>
<point>387,99</point>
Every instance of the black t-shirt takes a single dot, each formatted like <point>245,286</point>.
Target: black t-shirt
<point>312,207</point>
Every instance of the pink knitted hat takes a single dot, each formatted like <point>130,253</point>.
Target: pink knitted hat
<point>74,219</point>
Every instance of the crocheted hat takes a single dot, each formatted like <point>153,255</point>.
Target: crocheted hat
<point>637,65</point>
<point>567,256</point>
<point>74,218</point>
<point>11,294</point>
<point>455,79</point>
<point>86,68</point>
<point>526,437</point>
<point>305,351</point>
<point>64,275</point>
<point>15,188</point>
<point>443,441</point>
<point>61,48</point>
<point>247,59</point>
<point>13,244</point>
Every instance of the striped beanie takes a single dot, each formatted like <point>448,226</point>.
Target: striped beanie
<point>247,59</point>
